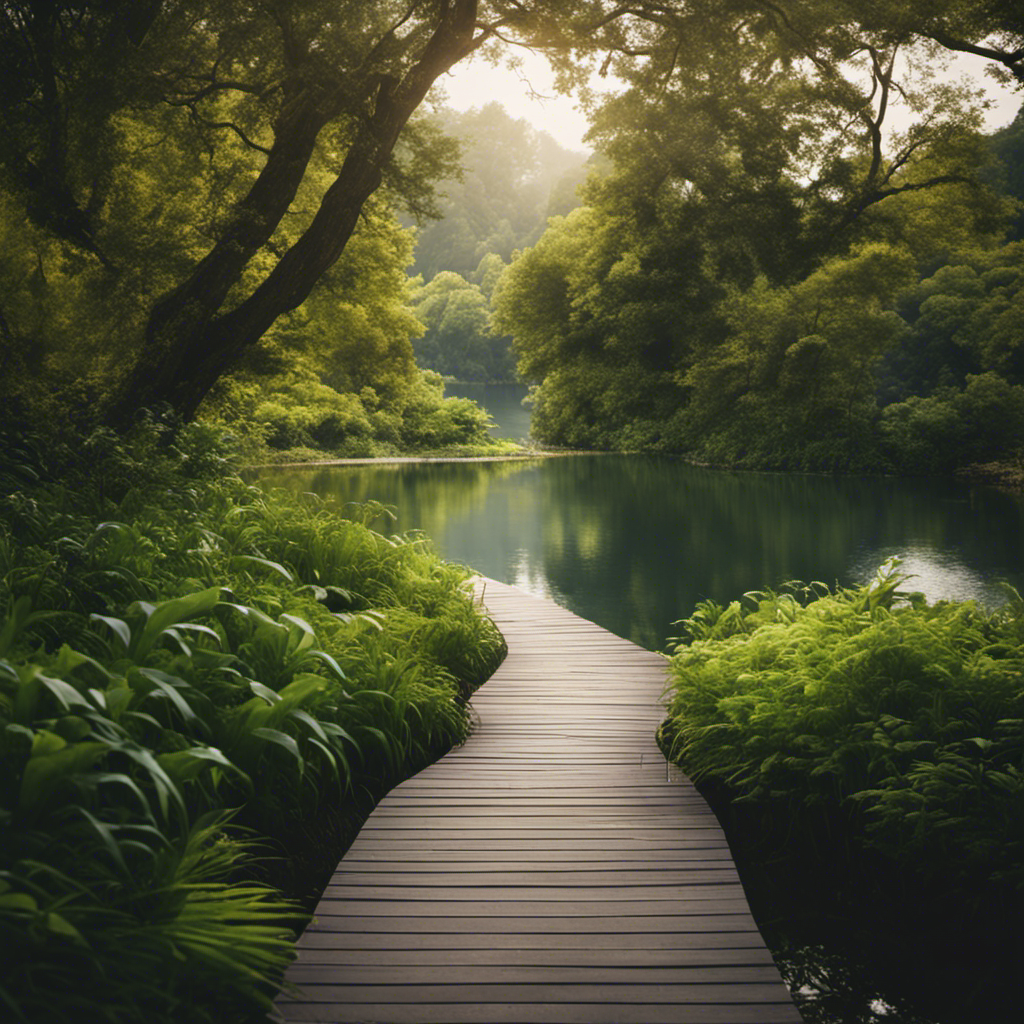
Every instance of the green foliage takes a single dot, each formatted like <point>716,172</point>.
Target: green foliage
<point>966,318</point>
<point>189,666</point>
<point>178,177</point>
<point>295,413</point>
<point>1008,147</point>
<point>899,718</point>
<point>458,341</point>
<point>338,376</point>
<point>950,429</point>
<point>511,175</point>
<point>793,385</point>
<point>635,346</point>
<point>124,171</point>
<point>739,284</point>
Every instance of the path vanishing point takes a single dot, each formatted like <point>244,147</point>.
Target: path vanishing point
<point>552,870</point>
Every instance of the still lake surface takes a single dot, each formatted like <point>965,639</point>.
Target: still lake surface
<point>503,401</point>
<point>633,542</point>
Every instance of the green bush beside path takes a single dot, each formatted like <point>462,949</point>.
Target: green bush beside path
<point>196,677</point>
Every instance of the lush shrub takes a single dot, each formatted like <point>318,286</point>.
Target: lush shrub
<point>902,719</point>
<point>301,413</point>
<point>951,429</point>
<point>188,667</point>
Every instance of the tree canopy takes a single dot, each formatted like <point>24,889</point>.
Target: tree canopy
<point>740,287</point>
<point>189,170</point>
<point>512,179</point>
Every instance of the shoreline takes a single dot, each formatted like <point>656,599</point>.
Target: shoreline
<point>371,460</point>
<point>1003,475</point>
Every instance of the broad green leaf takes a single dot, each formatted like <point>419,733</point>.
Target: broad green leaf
<point>119,626</point>
<point>330,662</point>
<point>269,695</point>
<point>282,740</point>
<point>184,765</point>
<point>12,902</point>
<point>240,561</point>
<point>64,693</point>
<point>196,627</point>
<point>168,613</point>
<point>105,834</point>
<point>51,764</point>
<point>168,686</point>
<point>62,926</point>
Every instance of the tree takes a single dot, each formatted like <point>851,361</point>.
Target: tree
<point>296,85</point>
<point>728,289</point>
<point>1008,148</point>
<point>458,341</point>
<point>267,93</point>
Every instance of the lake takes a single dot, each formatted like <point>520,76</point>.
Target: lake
<point>503,401</point>
<point>633,542</point>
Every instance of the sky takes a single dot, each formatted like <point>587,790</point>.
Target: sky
<point>474,83</point>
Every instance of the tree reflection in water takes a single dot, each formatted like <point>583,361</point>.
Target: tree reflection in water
<point>633,542</point>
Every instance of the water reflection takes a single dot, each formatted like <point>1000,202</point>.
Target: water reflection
<point>939,574</point>
<point>634,542</point>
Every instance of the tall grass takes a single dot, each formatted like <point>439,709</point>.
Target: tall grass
<point>192,671</point>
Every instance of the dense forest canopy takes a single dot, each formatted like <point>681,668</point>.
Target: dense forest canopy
<point>779,272</point>
<point>179,176</point>
<point>513,178</point>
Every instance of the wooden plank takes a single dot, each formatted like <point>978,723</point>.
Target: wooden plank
<point>539,1013</point>
<point>488,975</point>
<point>352,919</point>
<point>589,957</point>
<point>715,939</point>
<point>554,869</point>
<point>615,893</point>
<point>546,907</point>
<point>568,992</point>
<point>659,850</point>
<point>616,877</point>
<point>501,855</point>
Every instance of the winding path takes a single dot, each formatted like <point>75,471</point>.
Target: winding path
<point>551,870</point>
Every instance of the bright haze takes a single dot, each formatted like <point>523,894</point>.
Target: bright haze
<point>528,92</point>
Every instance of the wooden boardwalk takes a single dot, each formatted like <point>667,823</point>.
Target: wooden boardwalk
<point>550,870</point>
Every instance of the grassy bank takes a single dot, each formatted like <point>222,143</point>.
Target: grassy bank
<point>304,456</point>
<point>866,752</point>
<point>203,687</point>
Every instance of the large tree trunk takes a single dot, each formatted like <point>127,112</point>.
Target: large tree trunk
<point>190,342</point>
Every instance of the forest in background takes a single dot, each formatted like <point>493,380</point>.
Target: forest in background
<point>749,286</point>
<point>513,180</point>
<point>762,268</point>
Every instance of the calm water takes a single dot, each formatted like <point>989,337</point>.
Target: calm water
<point>633,542</point>
<point>503,401</point>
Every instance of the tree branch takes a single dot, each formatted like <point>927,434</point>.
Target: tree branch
<point>199,119</point>
<point>1012,60</point>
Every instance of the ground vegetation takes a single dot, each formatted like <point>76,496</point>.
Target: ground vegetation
<point>203,688</point>
<point>867,746</point>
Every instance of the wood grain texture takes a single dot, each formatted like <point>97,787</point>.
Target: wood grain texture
<point>553,870</point>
